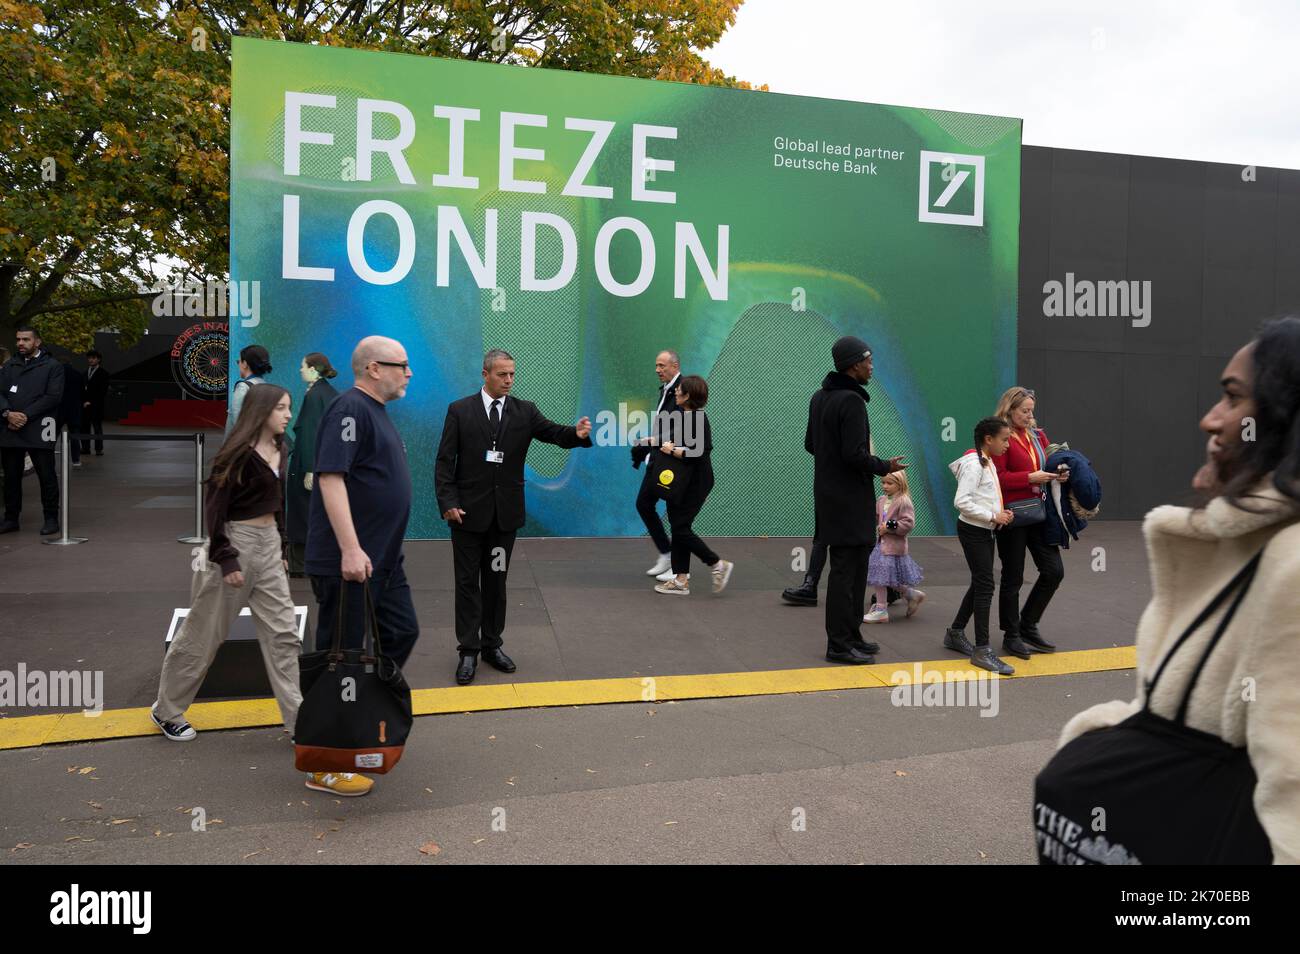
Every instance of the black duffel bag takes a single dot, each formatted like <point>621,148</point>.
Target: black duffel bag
<point>356,705</point>
<point>1152,790</point>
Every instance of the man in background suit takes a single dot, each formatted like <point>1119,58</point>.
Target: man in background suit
<point>479,480</point>
<point>669,370</point>
<point>97,380</point>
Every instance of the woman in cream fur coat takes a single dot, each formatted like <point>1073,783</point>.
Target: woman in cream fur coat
<point>1249,691</point>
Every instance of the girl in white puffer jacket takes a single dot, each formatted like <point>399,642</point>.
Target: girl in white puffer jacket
<point>980,511</point>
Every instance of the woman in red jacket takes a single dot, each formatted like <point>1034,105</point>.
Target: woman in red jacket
<point>1022,476</point>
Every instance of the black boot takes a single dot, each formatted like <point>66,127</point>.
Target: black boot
<point>51,525</point>
<point>1013,645</point>
<point>1032,638</point>
<point>803,595</point>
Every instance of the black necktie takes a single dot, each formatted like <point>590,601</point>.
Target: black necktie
<point>494,419</point>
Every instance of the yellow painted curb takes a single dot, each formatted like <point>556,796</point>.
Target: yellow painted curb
<point>29,731</point>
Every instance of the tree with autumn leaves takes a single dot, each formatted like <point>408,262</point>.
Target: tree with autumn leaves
<point>114,146</point>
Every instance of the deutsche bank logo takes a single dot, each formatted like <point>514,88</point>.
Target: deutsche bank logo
<point>952,188</point>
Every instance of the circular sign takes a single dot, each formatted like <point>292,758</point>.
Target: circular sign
<point>200,360</point>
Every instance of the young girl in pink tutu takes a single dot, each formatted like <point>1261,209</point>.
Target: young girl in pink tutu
<point>890,566</point>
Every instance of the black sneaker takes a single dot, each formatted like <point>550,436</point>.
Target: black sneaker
<point>984,658</point>
<point>50,527</point>
<point>956,640</point>
<point>8,526</point>
<point>178,730</point>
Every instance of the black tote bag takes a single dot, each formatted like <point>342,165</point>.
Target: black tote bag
<point>356,706</point>
<point>1171,794</point>
<point>670,476</point>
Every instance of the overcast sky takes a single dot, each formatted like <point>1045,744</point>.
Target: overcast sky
<point>1190,80</point>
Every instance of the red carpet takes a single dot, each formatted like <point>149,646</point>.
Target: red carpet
<point>175,412</point>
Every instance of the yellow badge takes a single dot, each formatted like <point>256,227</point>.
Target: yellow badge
<point>665,477</point>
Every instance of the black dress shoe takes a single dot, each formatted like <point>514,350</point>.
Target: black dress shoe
<point>805,594</point>
<point>854,657</point>
<point>498,660</point>
<point>1015,646</point>
<point>866,646</point>
<point>8,526</point>
<point>1032,638</point>
<point>466,669</point>
<point>50,527</point>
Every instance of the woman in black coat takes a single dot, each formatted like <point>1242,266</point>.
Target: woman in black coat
<point>692,394</point>
<point>315,370</point>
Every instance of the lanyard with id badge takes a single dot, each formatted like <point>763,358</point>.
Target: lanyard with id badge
<point>494,456</point>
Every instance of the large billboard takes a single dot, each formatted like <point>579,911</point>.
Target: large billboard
<point>585,223</point>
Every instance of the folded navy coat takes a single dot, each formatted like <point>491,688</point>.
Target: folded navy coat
<point>1083,487</point>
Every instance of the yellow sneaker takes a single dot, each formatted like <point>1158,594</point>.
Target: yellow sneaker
<point>340,783</point>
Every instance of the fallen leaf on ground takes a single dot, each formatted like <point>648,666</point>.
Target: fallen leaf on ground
<point>900,773</point>
<point>492,738</point>
<point>670,823</point>
<point>478,841</point>
<point>121,821</point>
<point>20,846</point>
<point>982,855</point>
<point>95,805</point>
<point>86,771</point>
<point>430,848</point>
<point>429,790</point>
<point>251,853</point>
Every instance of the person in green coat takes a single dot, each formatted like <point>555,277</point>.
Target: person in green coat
<point>316,371</point>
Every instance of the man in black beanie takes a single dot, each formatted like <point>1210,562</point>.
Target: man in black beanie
<point>844,499</point>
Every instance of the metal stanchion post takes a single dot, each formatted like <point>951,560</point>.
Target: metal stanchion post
<point>65,455</point>
<point>197,537</point>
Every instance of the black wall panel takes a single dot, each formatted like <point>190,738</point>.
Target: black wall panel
<point>1222,252</point>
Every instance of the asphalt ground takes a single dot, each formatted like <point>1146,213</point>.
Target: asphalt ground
<point>843,775</point>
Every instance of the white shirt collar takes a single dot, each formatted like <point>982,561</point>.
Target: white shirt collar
<point>487,402</point>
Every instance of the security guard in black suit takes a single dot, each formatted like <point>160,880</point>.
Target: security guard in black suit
<point>479,480</point>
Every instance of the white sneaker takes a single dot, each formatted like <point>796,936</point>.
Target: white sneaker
<point>663,563</point>
<point>877,615</point>
<point>666,575</point>
<point>722,574</point>
<point>915,601</point>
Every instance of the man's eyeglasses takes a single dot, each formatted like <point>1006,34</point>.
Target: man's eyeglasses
<point>404,365</point>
